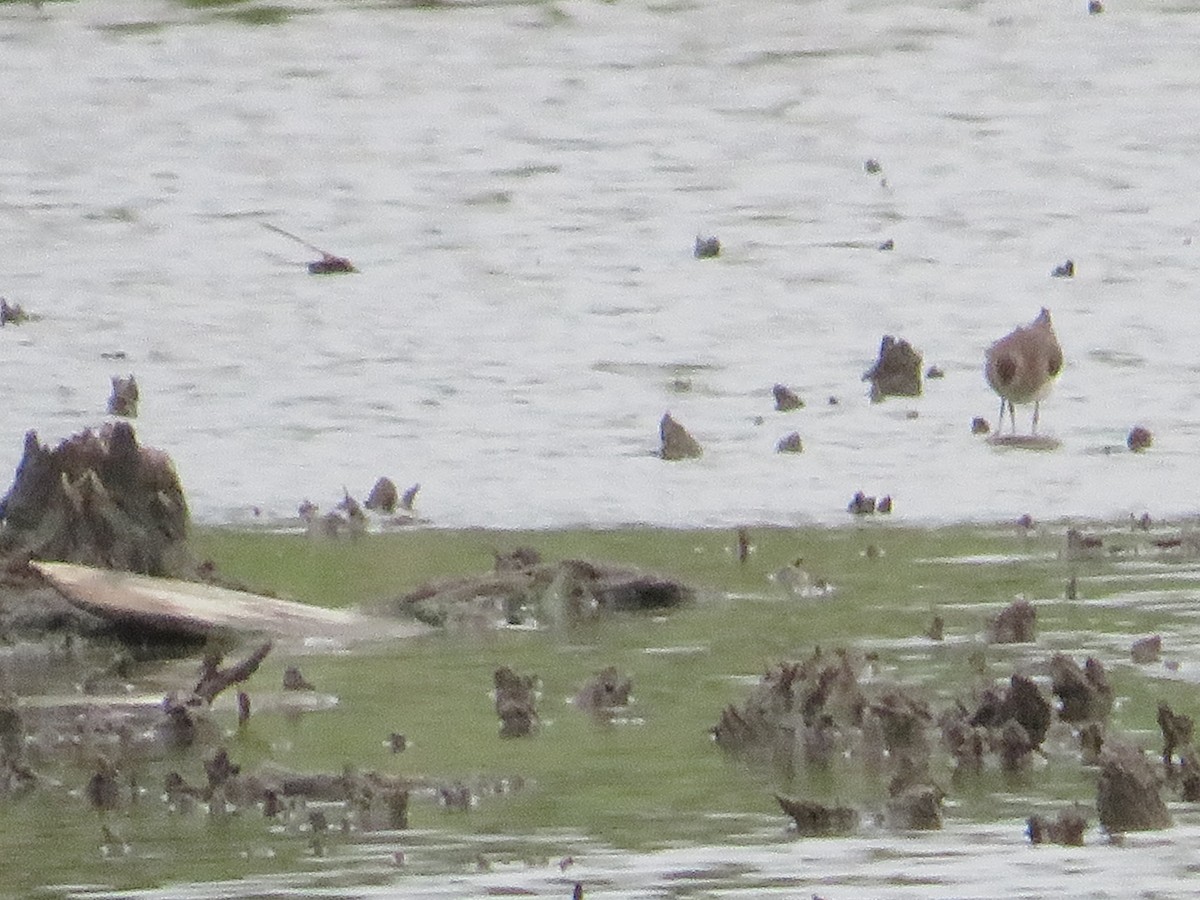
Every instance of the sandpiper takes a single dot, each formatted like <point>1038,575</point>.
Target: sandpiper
<point>1021,366</point>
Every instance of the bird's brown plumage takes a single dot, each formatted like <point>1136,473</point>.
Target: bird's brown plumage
<point>1022,365</point>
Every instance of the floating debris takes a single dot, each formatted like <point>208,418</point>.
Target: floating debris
<point>1139,439</point>
<point>889,244</point>
<point>12,314</point>
<point>786,399</point>
<point>790,443</point>
<point>707,247</point>
<point>1065,270</point>
<point>861,505</point>
<point>328,264</point>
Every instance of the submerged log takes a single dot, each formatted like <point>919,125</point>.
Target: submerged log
<point>100,499</point>
<point>523,590</point>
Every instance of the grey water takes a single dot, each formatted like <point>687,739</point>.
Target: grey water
<point>521,184</point>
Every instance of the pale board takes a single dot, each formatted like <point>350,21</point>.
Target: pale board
<point>188,607</point>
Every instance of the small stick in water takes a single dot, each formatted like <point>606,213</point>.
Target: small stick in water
<point>328,264</point>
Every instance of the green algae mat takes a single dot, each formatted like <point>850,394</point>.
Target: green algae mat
<point>647,777</point>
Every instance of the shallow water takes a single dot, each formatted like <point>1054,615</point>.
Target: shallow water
<point>644,806</point>
<point>521,185</point>
<point>956,863</point>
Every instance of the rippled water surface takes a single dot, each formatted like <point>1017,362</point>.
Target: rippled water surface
<point>521,185</point>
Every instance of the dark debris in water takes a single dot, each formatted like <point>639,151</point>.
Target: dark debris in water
<point>330,265</point>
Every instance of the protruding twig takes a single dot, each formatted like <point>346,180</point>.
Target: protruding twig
<point>214,680</point>
<point>327,264</point>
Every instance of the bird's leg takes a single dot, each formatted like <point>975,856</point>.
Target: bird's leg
<point>1036,406</point>
<point>1000,424</point>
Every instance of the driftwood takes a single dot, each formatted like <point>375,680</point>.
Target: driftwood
<point>100,499</point>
